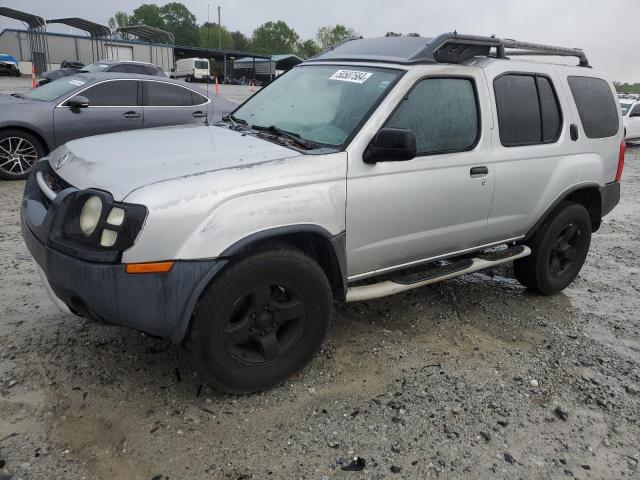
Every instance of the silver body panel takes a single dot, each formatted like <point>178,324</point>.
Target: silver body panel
<point>207,187</point>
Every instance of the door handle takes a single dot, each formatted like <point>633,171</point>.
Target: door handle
<point>573,131</point>
<point>131,115</point>
<point>477,172</point>
<point>199,114</point>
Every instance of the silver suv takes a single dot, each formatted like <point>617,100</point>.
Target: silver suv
<point>379,166</point>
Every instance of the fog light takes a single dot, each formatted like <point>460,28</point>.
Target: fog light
<point>116,217</point>
<point>90,215</point>
<point>109,238</point>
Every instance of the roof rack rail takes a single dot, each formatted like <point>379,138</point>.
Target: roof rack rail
<point>333,47</point>
<point>455,48</point>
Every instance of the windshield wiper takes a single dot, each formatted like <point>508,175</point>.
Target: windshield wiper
<point>235,121</point>
<point>309,145</point>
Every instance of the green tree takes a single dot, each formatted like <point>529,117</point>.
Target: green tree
<point>148,14</point>
<point>307,49</point>
<point>181,22</point>
<point>240,41</point>
<point>119,19</point>
<point>413,34</point>
<point>274,37</point>
<point>392,34</point>
<point>330,36</point>
<point>208,36</point>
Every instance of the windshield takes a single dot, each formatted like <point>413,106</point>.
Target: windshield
<point>56,89</point>
<point>202,65</point>
<point>625,108</point>
<point>320,103</point>
<point>95,67</point>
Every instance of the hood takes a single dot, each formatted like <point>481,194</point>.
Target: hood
<point>122,162</point>
<point>6,99</point>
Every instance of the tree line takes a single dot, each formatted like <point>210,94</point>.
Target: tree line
<point>627,88</point>
<point>274,37</point>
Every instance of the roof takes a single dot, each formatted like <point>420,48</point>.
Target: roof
<point>151,34</point>
<point>282,61</point>
<point>33,21</point>
<point>445,48</point>
<point>92,28</point>
<point>186,51</point>
<point>97,76</point>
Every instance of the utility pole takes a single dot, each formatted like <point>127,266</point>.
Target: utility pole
<point>219,30</point>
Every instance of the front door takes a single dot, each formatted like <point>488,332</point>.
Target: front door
<point>113,106</point>
<point>436,203</point>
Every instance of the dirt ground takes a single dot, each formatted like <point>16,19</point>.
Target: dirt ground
<point>470,378</point>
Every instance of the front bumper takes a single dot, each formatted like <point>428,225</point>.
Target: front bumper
<point>159,303</point>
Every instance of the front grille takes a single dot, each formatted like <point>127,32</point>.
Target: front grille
<point>54,181</point>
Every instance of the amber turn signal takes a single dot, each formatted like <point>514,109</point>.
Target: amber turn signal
<point>153,267</point>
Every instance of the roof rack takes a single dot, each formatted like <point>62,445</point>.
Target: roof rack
<point>455,48</point>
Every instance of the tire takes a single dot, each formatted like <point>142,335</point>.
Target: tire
<point>261,320</point>
<point>19,151</point>
<point>558,250</point>
<point>188,79</point>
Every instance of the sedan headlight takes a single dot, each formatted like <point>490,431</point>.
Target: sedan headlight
<point>90,215</point>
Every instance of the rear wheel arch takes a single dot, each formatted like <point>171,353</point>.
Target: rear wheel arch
<point>587,195</point>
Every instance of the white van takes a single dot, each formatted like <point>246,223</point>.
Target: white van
<point>192,69</point>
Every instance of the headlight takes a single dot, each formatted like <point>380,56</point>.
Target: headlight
<point>90,215</point>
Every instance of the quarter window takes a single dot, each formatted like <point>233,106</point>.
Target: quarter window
<point>118,93</point>
<point>442,113</point>
<point>160,94</point>
<point>596,106</point>
<point>528,110</point>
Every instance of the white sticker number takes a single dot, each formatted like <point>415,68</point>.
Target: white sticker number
<point>350,76</point>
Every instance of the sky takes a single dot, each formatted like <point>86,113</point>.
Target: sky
<point>607,30</point>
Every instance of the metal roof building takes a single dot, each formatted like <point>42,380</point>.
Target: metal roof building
<point>267,66</point>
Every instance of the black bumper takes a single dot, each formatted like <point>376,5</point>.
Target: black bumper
<point>157,303</point>
<point>610,196</point>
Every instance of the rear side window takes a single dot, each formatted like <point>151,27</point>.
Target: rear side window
<point>139,69</point>
<point>161,94</point>
<point>596,106</point>
<point>442,113</point>
<point>118,93</point>
<point>528,110</point>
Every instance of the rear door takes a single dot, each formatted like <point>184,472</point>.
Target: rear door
<point>114,105</point>
<point>170,104</point>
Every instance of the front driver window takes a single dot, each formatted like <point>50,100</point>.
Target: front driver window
<point>118,93</point>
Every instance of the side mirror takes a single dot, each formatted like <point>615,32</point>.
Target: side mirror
<point>78,102</point>
<point>391,144</point>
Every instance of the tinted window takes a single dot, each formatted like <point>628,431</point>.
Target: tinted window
<point>442,113</point>
<point>197,99</point>
<point>167,95</point>
<point>550,111</point>
<point>119,69</point>
<point>118,93</point>
<point>636,110</point>
<point>596,106</point>
<point>140,69</point>
<point>528,110</point>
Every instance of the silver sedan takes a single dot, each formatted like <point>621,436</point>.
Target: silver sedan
<point>33,124</point>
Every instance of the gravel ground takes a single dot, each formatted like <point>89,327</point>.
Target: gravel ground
<point>470,378</point>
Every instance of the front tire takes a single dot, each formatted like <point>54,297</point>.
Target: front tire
<point>558,250</point>
<point>262,320</point>
<point>19,151</point>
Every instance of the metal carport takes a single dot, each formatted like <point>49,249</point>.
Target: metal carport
<point>151,35</point>
<point>183,51</point>
<point>37,33</point>
<point>98,34</point>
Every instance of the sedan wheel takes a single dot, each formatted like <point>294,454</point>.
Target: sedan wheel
<point>18,153</point>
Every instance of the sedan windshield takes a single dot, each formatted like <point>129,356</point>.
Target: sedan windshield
<point>322,103</point>
<point>56,89</point>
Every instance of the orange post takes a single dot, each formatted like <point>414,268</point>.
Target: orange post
<point>217,87</point>
<point>33,76</point>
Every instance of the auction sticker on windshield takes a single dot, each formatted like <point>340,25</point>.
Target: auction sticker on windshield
<point>350,76</point>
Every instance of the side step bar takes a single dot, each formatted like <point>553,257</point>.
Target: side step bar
<point>436,274</point>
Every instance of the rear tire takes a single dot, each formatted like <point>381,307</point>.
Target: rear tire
<point>262,320</point>
<point>19,151</point>
<point>558,250</point>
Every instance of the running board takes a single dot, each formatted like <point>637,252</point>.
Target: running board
<point>436,274</point>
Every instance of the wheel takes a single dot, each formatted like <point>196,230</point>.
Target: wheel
<point>188,79</point>
<point>558,250</point>
<point>18,152</point>
<point>261,320</point>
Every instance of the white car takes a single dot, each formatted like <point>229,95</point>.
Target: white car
<point>631,116</point>
<point>192,70</point>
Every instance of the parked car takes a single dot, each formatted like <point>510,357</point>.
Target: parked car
<point>111,66</point>
<point>9,65</point>
<point>33,124</point>
<point>631,115</point>
<point>376,167</point>
<point>192,70</point>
